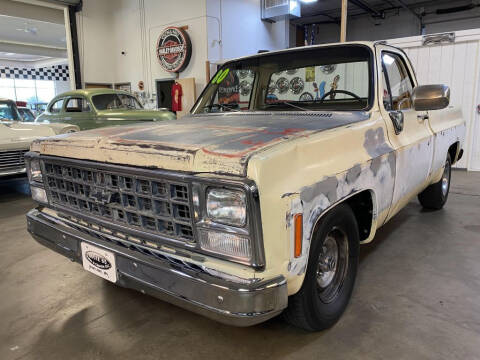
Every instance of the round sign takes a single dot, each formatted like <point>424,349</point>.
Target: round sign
<point>141,86</point>
<point>296,85</point>
<point>282,85</point>
<point>174,49</point>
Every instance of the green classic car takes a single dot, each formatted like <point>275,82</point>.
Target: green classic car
<point>93,108</point>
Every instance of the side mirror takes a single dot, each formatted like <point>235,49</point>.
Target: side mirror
<point>398,120</point>
<point>431,97</point>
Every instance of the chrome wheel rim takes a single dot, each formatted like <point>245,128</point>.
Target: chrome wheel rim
<point>445,179</point>
<point>332,265</point>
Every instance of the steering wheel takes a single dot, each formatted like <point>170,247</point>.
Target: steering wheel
<point>331,92</point>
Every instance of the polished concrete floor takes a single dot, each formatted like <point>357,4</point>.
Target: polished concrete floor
<point>417,297</point>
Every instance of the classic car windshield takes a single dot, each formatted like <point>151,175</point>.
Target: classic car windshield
<point>115,101</point>
<point>8,111</point>
<point>326,78</point>
<point>27,115</point>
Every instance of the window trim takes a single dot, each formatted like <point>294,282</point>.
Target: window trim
<point>387,79</point>
<point>53,102</point>
<point>372,75</point>
<point>94,107</point>
<point>76,97</point>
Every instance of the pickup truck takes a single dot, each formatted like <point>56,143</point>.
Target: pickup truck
<point>257,202</point>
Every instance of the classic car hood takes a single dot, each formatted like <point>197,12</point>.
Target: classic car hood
<point>18,135</point>
<point>220,143</point>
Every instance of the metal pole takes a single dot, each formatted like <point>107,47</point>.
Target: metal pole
<point>68,33</point>
<point>343,24</point>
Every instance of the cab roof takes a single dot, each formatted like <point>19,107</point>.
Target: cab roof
<point>91,92</point>
<point>370,44</point>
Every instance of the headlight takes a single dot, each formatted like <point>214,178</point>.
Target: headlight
<point>227,206</point>
<point>39,194</point>
<point>34,171</point>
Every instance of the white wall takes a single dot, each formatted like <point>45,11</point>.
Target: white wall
<point>108,27</point>
<point>95,40</point>
<point>242,31</point>
<point>458,66</point>
<point>112,26</point>
<point>191,13</point>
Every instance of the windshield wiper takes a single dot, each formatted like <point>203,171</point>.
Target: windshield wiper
<point>222,106</point>
<point>288,103</point>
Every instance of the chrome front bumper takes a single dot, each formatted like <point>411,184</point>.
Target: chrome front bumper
<point>235,303</point>
<point>13,171</point>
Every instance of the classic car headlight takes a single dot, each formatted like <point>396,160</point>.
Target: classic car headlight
<point>34,170</point>
<point>227,206</point>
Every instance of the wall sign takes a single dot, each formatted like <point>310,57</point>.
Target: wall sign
<point>174,49</point>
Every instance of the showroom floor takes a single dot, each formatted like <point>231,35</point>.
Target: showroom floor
<point>417,297</point>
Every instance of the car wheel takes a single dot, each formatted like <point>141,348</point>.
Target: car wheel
<point>435,196</point>
<point>331,272</point>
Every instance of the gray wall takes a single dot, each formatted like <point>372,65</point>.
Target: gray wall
<point>398,25</point>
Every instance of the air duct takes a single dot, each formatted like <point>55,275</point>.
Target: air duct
<point>273,10</point>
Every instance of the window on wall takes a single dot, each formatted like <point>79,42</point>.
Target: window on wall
<point>31,91</point>
<point>45,90</point>
<point>7,89</point>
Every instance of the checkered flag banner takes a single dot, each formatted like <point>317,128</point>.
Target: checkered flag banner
<point>57,73</point>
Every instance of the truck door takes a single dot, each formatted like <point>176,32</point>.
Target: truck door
<point>413,140</point>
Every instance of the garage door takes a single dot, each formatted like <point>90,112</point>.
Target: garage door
<point>456,64</point>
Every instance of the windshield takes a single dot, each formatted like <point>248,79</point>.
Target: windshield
<point>26,114</point>
<point>326,78</point>
<point>115,101</point>
<point>8,111</point>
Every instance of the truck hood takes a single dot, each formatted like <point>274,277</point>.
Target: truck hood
<point>18,135</point>
<point>214,143</point>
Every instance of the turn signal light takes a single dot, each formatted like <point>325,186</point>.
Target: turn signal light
<point>298,223</point>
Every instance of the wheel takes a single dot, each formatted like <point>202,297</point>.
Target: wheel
<point>435,196</point>
<point>331,272</point>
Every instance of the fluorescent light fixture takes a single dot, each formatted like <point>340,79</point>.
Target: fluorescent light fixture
<point>308,1</point>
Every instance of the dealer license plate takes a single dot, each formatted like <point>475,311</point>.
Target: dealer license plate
<point>99,261</point>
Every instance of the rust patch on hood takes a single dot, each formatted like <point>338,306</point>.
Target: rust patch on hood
<point>220,143</point>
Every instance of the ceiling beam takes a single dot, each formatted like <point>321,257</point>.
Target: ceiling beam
<point>30,11</point>
<point>32,49</point>
<point>343,25</point>
<point>405,6</point>
<point>367,7</point>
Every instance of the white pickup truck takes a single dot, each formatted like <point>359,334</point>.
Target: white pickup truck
<point>257,202</point>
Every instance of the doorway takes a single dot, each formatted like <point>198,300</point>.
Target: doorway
<point>164,93</point>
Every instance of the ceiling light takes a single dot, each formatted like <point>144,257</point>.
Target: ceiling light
<point>308,1</point>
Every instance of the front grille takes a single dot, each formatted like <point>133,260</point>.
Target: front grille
<point>154,205</point>
<point>12,159</point>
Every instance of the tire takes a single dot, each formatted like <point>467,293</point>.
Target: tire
<point>435,196</point>
<point>323,298</point>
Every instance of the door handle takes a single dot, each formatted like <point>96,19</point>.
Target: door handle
<point>422,118</point>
